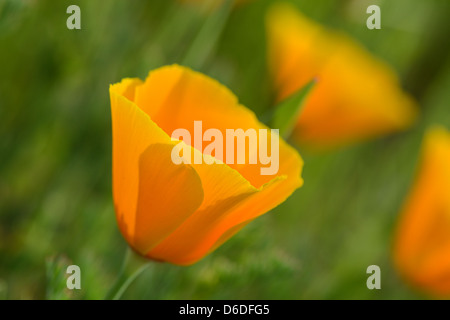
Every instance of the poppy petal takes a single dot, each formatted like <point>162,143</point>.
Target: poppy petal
<point>168,195</point>
<point>357,96</point>
<point>422,247</point>
<point>219,218</point>
<point>134,134</point>
<point>176,96</point>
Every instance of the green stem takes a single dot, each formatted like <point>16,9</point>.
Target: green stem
<point>132,267</point>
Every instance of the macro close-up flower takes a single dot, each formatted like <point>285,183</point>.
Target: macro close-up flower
<point>356,97</point>
<point>180,212</point>
<point>422,241</point>
<point>204,150</point>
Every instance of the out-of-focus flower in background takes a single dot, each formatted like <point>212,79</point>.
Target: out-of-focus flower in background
<point>356,97</point>
<point>422,242</point>
<point>180,213</point>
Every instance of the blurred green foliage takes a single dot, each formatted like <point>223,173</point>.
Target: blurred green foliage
<point>55,150</point>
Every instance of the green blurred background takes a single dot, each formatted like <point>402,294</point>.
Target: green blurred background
<point>56,205</point>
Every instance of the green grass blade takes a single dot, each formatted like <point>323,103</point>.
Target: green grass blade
<point>207,38</point>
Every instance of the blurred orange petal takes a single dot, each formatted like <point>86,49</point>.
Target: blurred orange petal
<point>422,243</point>
<point>357,96</point>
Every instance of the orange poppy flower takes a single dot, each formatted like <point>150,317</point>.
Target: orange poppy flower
<point>422,243</point>
<point>356,97</point>
<point>180,213</point>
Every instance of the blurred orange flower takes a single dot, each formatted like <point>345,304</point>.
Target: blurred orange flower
<point>357,96</point>
<point>180,213</point>
<point>422,242</point>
